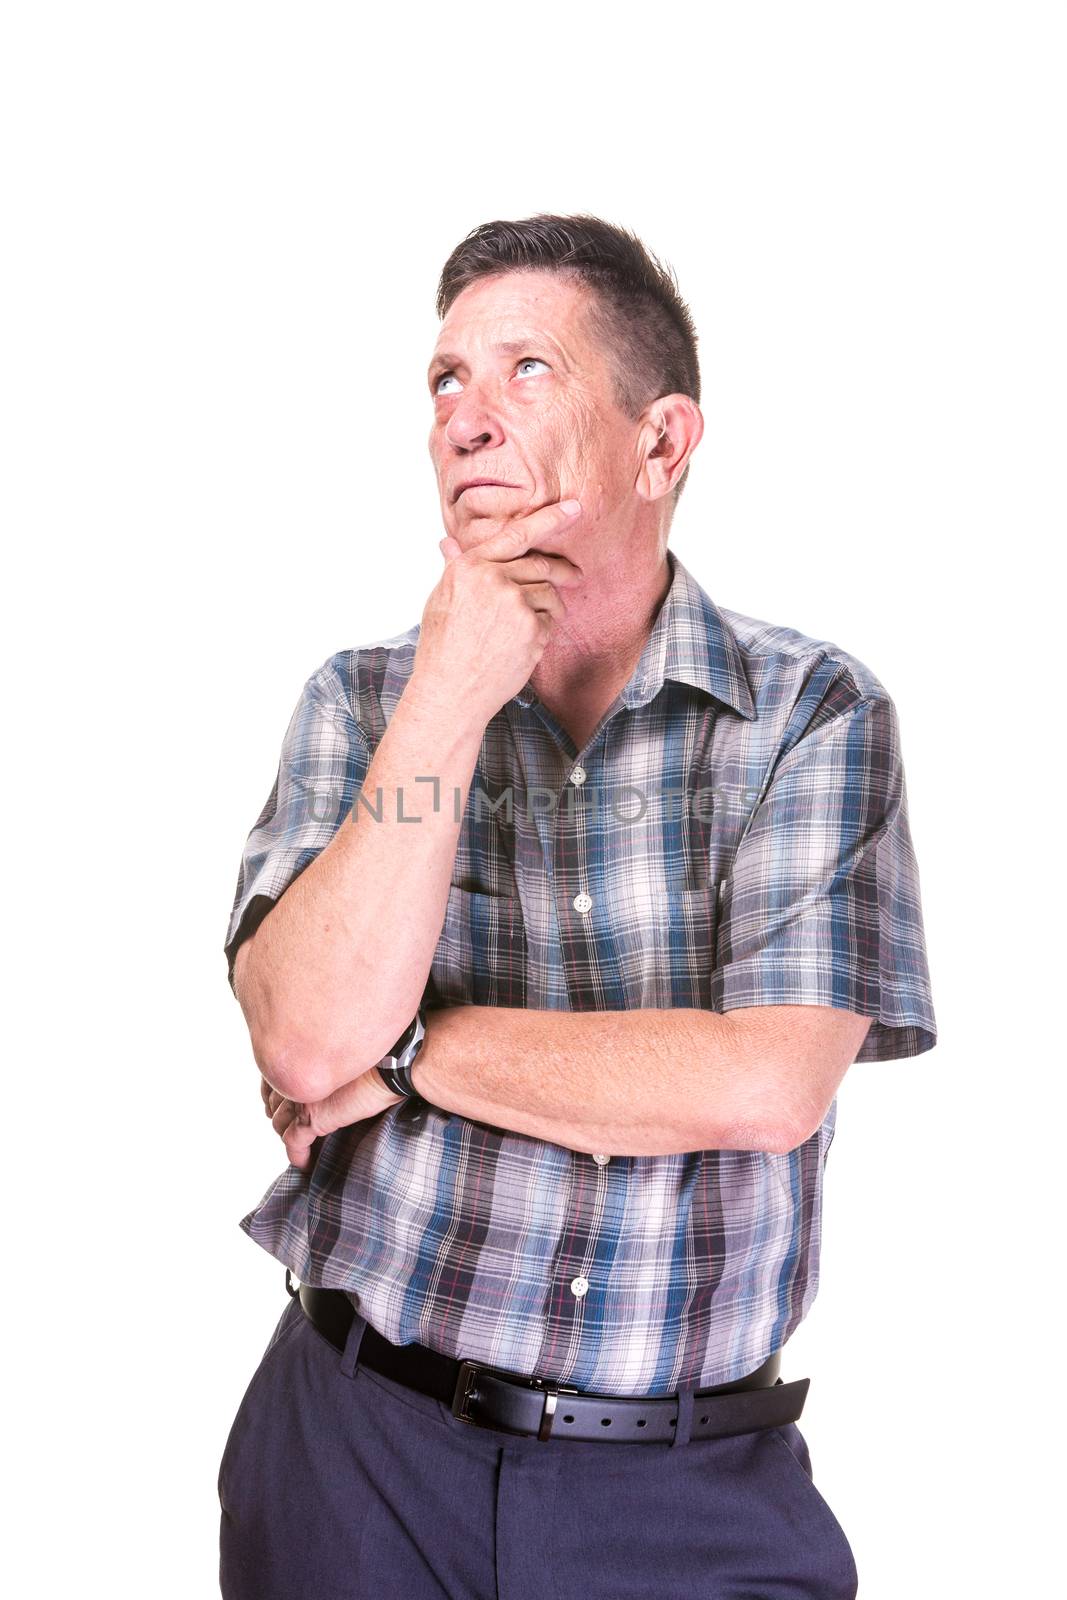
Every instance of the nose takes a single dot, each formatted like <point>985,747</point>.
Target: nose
<point>472,425</point>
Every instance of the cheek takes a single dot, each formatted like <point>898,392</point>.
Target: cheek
<point>570,446</point>
<point>579,442</point>
<point>594,465</point>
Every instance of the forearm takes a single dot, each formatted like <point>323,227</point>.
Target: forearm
<point>339,965</point>
<point>643,1082</point>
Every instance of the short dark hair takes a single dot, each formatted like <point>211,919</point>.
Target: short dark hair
<point>634,305</point>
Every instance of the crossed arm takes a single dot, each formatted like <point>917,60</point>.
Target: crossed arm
<point>645,1082</point>
<point>323,1006</point>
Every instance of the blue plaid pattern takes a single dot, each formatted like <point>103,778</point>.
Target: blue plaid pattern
<point>739,826</point>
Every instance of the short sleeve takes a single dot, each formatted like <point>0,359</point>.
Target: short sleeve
<point>322,766</point>
<point>821,905</point>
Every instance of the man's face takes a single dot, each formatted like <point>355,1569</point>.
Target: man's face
<point>522,393</point>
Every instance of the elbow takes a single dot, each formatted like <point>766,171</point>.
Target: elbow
<point>289,1071</point>
<point>777,1138</point>
<point>785,1140</point>
<point>309,1071</point>
<point>297,1061</point>
<point>802,1125</point>
<point>774,1141</point>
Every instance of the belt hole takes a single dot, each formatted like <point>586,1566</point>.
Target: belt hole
<point>640,1422</point>
<point>605,1422</point>
<point>568,1419</point>
<point>703,1419</point>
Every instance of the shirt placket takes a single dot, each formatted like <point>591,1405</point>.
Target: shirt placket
<point>574,1275</point>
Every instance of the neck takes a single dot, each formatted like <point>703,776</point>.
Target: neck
<point>607,626</point>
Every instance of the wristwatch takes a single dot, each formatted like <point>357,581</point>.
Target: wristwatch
<point>395,1068</point>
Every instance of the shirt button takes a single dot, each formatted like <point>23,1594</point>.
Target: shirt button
<point>601,1161</point>
<point>579,1286</point>
<point>578,775</point>
<point>582,902</point>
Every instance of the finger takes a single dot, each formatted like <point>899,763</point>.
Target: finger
<point>288,1113</point>
<point>538,566</point>
<point>542,597</point>
<point>298,1142</point>
<point>517,536</point>
<point>450,548</point>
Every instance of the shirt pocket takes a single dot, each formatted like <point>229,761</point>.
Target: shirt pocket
<point>688,935</point>
<point>481,955</point>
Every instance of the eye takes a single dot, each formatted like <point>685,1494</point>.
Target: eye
<point>450,377</point>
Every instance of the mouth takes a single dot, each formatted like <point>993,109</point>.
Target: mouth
<point>481,483</point>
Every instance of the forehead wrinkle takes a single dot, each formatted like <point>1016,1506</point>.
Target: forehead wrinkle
<point>509,347</point>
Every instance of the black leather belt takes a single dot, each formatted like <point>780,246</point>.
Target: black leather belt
<point>491,1397</point>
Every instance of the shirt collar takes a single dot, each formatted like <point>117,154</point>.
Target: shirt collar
<point>691,642</point>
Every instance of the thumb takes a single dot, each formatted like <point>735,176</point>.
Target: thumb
<point>449,548</point>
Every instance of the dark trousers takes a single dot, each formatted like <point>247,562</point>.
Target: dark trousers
<point>338,1483</point>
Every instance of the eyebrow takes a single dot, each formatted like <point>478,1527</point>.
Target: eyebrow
<point>445,361</point>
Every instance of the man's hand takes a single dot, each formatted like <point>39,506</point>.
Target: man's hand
<point>300,1123</point>
<point>486,623</point>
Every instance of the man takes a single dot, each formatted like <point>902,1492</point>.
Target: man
<point>627,884</point>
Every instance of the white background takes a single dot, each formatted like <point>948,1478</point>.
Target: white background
<point>224,226</point>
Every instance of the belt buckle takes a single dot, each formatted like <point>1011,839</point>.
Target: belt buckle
<point>551,1389</point>
<point>465,1381</point>
<point>464,1386</point>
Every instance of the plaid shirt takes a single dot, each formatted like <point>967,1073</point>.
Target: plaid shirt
<point>735,835</point>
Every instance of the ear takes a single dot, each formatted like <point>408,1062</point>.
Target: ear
<point>670,431</point>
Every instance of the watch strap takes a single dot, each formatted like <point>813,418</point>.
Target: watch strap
<point>395,1068</point>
